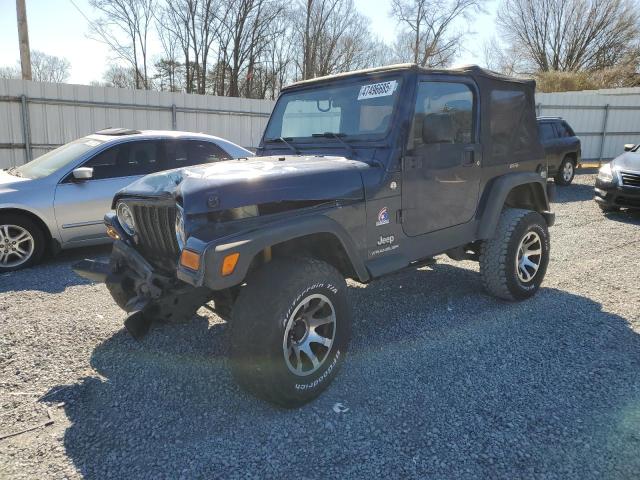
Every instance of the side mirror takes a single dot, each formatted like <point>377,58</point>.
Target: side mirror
<point>629,146</point>
<point>83,173</point>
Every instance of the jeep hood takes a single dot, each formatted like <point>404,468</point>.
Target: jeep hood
<point>255,181</point>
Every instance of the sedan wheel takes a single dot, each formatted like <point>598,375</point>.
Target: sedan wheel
<point>16,246</point>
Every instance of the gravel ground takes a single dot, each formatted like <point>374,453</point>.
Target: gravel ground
<point>442,381</point>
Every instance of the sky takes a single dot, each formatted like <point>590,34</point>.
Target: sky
<point>56,27</point>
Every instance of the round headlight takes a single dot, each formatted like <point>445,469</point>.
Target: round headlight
<point>180,235</point>
<point>125,217</point>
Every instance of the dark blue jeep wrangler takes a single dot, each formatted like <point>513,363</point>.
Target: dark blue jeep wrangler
<point>358,175</point>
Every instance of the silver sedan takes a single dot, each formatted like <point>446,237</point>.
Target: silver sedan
<point>58,200</point>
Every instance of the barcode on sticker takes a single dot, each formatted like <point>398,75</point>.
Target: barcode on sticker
<point>374,90</point>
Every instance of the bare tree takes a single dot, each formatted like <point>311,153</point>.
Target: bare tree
<point>124,25</point>
<point>49,68</point>
<point>7,72</point>
<point>570,35</point>
<point>120,77</point>
<point>429,36</point>
<point>334,38</point>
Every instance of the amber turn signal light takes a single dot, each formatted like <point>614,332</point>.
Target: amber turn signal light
<point>112,233</point>
<point>190,259</point>
<point>229,264</point>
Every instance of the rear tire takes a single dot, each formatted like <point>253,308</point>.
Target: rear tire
<point>513,263</point>
<point>290,329</point>
<point>566,172</point>
<point>22,242</point>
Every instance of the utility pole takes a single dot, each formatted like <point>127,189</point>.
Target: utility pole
<point>23,36</point>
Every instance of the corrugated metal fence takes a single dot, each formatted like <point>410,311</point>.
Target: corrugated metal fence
<point>36,117</point>
<point>603,119</point>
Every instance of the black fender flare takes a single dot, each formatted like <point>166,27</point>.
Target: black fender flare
<point>495,196</point>
<point>254,242</point>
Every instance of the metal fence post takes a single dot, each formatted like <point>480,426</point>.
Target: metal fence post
<point>26,126</point>
<point>604,133</point>
<point>174,118</point>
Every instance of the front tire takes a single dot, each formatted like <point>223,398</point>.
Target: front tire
<point>566,172</point>
<point>22,242</point>
<point>290,329</point>
<point>513,263</point>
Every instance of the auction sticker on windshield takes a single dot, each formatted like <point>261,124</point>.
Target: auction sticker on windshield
<point>374,90</point>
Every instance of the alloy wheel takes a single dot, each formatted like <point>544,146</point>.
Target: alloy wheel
<point>529,257</point>
<point>16,245</point>
<point>309,334</point>
<point>567,171</point>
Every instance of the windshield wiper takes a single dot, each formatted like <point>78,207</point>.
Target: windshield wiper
<point>337,136</point>
<point>285,141</point>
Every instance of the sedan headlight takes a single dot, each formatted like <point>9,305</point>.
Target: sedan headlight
<point>605,174</point>
<point>125,217</point>
<point>180,234</point>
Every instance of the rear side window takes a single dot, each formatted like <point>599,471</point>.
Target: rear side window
<point>546,131</point>
<point>564,130</point>
<point>185,153</point>
<point>510,129</point>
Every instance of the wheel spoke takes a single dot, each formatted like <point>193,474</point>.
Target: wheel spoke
<point>306,349</point>
<point>312,311</point>
<point>315,338</point>
<point>318,322</point>
<point>5,232</point>
<point>296,351</point>
<point>23,237</point>
<point>20,252</point>
<point>533,252</point>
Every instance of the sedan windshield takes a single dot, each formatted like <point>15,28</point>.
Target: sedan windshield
<point>56,159</point>
<point>359,110</point>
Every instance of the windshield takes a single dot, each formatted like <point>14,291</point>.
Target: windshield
<point>56,159</point>
<point>360,110</point>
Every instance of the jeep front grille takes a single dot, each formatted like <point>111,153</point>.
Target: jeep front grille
<point>630,179</point>
<point>155,228</point>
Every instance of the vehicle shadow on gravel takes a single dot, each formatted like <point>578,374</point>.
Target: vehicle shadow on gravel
<point>575,192</point>
<point>631,217</point>
<point>55,274</point>
<point>442,382</point>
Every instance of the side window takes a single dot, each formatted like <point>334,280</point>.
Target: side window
<point>546,131</point>
<point>512,123</point>
<point>105,164</point>
<point>563,130</point>
<point>443,114</point>
<point>185,153</point>
<point>126,160</point>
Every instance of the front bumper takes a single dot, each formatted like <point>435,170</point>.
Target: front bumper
<point>612,195</point>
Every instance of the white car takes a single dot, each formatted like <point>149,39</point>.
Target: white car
<point>58,200</point>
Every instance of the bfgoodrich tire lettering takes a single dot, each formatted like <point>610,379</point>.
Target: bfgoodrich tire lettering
<point>500,255</point>
<point>273,313</point>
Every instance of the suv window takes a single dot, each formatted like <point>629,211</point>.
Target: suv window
<point>126,160</point>
<point>443,114</point>
<point>546,131</point>
<point>184,153</point>
<point>564,130</point>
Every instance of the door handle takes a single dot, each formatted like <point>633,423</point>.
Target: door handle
<point>468,158</point>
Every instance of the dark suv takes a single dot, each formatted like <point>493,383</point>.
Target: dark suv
<point>561,147</point>
<point>358,175</point>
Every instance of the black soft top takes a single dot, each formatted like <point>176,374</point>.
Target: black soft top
<point>466,70</point>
